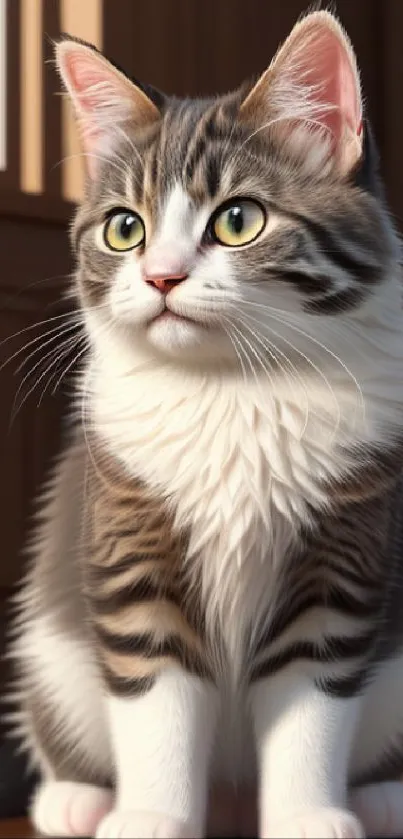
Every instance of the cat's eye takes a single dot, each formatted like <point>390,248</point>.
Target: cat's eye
<point>123,231</point>
<point>238,223</point>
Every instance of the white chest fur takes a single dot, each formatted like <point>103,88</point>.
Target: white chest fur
<point>239,461</point>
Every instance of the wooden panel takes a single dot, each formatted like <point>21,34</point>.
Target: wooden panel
<point>32,291</point>
<point>34,255</point>
<point>29,432</point>
<point>52,102</point>
<point>390,103</point>
<point>29,435</point>
<point>191,48</point>
<point>12,464</point>
<point>83,21</point>
<point>3,84</point>
<point>16,827</point>
<point>10,178</point>
<point>121,43</point>
<point>31,96</point>
<point>46,208</point>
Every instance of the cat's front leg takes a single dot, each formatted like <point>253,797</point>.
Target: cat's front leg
<point>304,737</point>
<point>161,741</point>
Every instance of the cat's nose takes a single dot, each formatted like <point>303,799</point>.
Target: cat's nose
<point>165,283</point>
<point>166,264</point>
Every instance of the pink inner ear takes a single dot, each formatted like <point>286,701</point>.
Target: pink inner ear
<point>85,77</point>
<point>327,66</point>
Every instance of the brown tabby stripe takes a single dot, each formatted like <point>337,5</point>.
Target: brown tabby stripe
<point>336,649</point>
<point>134,584</point>
<point>344,568</point>
<point>122,686</point>
<point>346,686</point>
<point>379,470</point>
<point>303,601</point>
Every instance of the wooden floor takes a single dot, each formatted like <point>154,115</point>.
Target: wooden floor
<point>15,828</point>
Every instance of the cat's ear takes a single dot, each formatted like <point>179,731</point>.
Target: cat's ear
<point>310,95</point>
<point>104,99</point>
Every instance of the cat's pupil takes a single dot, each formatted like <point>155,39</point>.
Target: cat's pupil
<point>235,220</point>
<point>126,227</point>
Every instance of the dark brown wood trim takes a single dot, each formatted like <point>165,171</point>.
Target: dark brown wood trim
<point>11,176</point>
<point>118,39</point>
<point>50,210</point>
<point>52,102</point>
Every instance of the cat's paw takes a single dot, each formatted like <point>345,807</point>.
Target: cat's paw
<point>64,808</point>
<point>324,823</point>
<point>130,824</point>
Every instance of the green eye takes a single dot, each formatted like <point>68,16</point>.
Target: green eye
<point>239,223</point>
<point>124,231</point>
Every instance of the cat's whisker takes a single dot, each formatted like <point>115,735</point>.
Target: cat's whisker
<point>71,364</point>
<point>259,359</point>
<point>61,356</point>
<point>129,140</point>
<point>308,121</point>
<point>237,350</point>
<point>337,358</point>
<point>289,323</point>
<point>243,345</point>
<point>319,372</point>
<point>317,369</point>
<point>293,372</point>
<point>17,406</point>
<point>64,315</point>
<point>92,155</point>
<point>35,283</point>
<point>65,352</point>
<point>355,331</point>
<point>58,332</point>
<point>50,354</point>
<point>55,332</point>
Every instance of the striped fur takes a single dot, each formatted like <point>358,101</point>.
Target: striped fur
<point>219,559</point>
<point>134,586</point>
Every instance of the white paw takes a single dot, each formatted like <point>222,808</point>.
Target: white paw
<point>324,823</point>
<point>63,808</point>
<point>130,824</point>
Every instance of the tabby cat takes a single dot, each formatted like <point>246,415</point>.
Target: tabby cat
<point>214,598</point>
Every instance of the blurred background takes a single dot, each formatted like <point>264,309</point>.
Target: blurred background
<point>180,46</point>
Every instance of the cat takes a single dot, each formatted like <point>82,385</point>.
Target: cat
<point>214,596</point>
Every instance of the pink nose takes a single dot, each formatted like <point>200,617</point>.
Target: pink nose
<point>165,283</point>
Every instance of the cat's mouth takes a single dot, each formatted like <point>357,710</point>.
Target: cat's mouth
<point>167,316</point>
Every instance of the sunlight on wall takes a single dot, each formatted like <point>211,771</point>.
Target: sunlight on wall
<point>84,20</point>
<point>31,93</point>
<point>3,85</point>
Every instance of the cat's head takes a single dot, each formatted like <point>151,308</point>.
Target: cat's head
<point>236,225</point>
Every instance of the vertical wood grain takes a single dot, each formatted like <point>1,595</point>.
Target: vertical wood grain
<point>84,20</point>
<point>10,178</point>
<point>52,101</point>
<point>31,96</point>
<point>3,84</point>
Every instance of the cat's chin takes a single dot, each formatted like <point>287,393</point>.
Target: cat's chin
<point>174,335</point>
